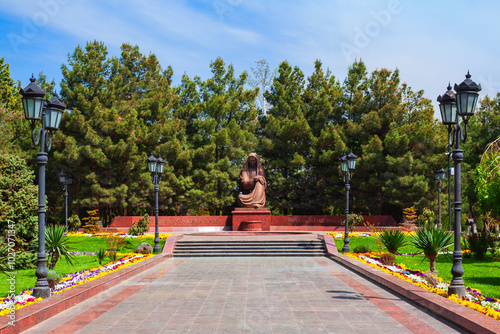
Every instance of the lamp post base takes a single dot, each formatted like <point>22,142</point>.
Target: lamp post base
<point>458,290</point>
<point>156,248</point>
<point>346,248</point>
<point>42,291</point>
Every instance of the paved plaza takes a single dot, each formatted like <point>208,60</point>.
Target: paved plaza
<point>245,295</point>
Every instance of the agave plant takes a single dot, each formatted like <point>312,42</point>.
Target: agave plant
<point>101,255</point>
<point>393,239</point>
<point>57,245</point>
<point>431,240</point>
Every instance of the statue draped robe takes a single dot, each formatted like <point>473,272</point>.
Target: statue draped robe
<point>253,185</point>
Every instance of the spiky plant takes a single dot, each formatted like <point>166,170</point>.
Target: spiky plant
<point>431,240</point>
<point>393,239</point>
<point>57,245</point>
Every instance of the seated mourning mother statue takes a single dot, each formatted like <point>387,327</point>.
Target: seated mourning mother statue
<point>253,184</point>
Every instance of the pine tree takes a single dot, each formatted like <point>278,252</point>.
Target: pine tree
<point>221,120</point>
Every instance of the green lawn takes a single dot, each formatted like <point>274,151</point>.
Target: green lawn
<point>478,274</point>
<point>26,278</point>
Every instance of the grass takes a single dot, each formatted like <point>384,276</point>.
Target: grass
<point>27,279</point>
<point>479,274</point>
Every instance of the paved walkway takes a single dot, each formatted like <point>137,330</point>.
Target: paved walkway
<point>245,295</point>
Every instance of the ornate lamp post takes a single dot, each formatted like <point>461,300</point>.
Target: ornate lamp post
<point>347,166</point>
<point>448,109</point>
<point>65,179</point>
<point>156,167</point>
<point>465,105</point>
<point>439,175</point>
<point>49,112</point>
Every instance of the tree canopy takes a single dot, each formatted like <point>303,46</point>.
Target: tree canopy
<point>122,108</point>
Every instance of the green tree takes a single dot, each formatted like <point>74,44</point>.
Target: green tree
<point>482,129</point>
<point>119,113</point>
<point>286,141</point>
<point>488,180</point>
<point>322,99</point>
<point>18,200</point>
<point>221,119</point>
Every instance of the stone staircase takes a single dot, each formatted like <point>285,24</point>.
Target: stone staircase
<point>241,247</point>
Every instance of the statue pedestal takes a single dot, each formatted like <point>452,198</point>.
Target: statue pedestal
<point>249,219</point>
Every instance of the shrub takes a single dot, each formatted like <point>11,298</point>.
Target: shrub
<point>140,227</point>
<point>431,240</point>
<point>115,242</point>
<point>112,255</point>
<point>91,223</point>
<point>53,277</point>
<point>409,219</point>
<point>18,200</point>
<point>387,259</point>
<point>478,243</point>
<point>393,239</point>
<point>74,222</point>
<point>26,260</point>
<point>57,245</point>
<point>427,217</point>
<point>354,220</point>
<point>362,249</point>
<point>101,255</point>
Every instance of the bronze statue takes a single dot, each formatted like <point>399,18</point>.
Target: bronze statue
<point>253,184</point>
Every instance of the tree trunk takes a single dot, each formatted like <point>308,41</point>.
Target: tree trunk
<point>432,260</point>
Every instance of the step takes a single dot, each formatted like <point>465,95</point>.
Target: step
<point>250,243</point>
<point>249,254</point>
<point>193,248</point>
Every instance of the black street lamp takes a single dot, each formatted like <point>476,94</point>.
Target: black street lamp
<point>448,109</point>
<point>65,179</point>
<point>155,167</point>
<point>49,112</point>
<point>439,175</point>
<point>465,105</point>
<point>347,166</point>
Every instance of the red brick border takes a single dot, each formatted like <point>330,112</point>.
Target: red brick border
<point>459,315</point>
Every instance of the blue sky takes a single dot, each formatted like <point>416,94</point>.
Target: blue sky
<point>431,42</point>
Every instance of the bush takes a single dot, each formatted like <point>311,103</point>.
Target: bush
<point>53,277</point>
<point>409,219</point>
<point>18,201</point>
<point>387,259</point>
<point>91,223</point>
<point>354,220</point>
<point>362,249</point>
<point>478,243</point>
<point>427,217</point>
<point>115,242</point>
<point>393,239</point>
<point>140,227</point>
<point>57,245</point>
<point>74,222</point>
<point>431,240</point>
<point>101,255</point>
<point>112,256</point>
<point>26,260</point>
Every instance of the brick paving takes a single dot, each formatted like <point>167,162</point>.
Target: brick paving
<point>245,295</point>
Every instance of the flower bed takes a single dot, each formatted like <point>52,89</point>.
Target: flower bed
<point>25,298</point>
<point>473,298</point>
<point>340,235</point>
